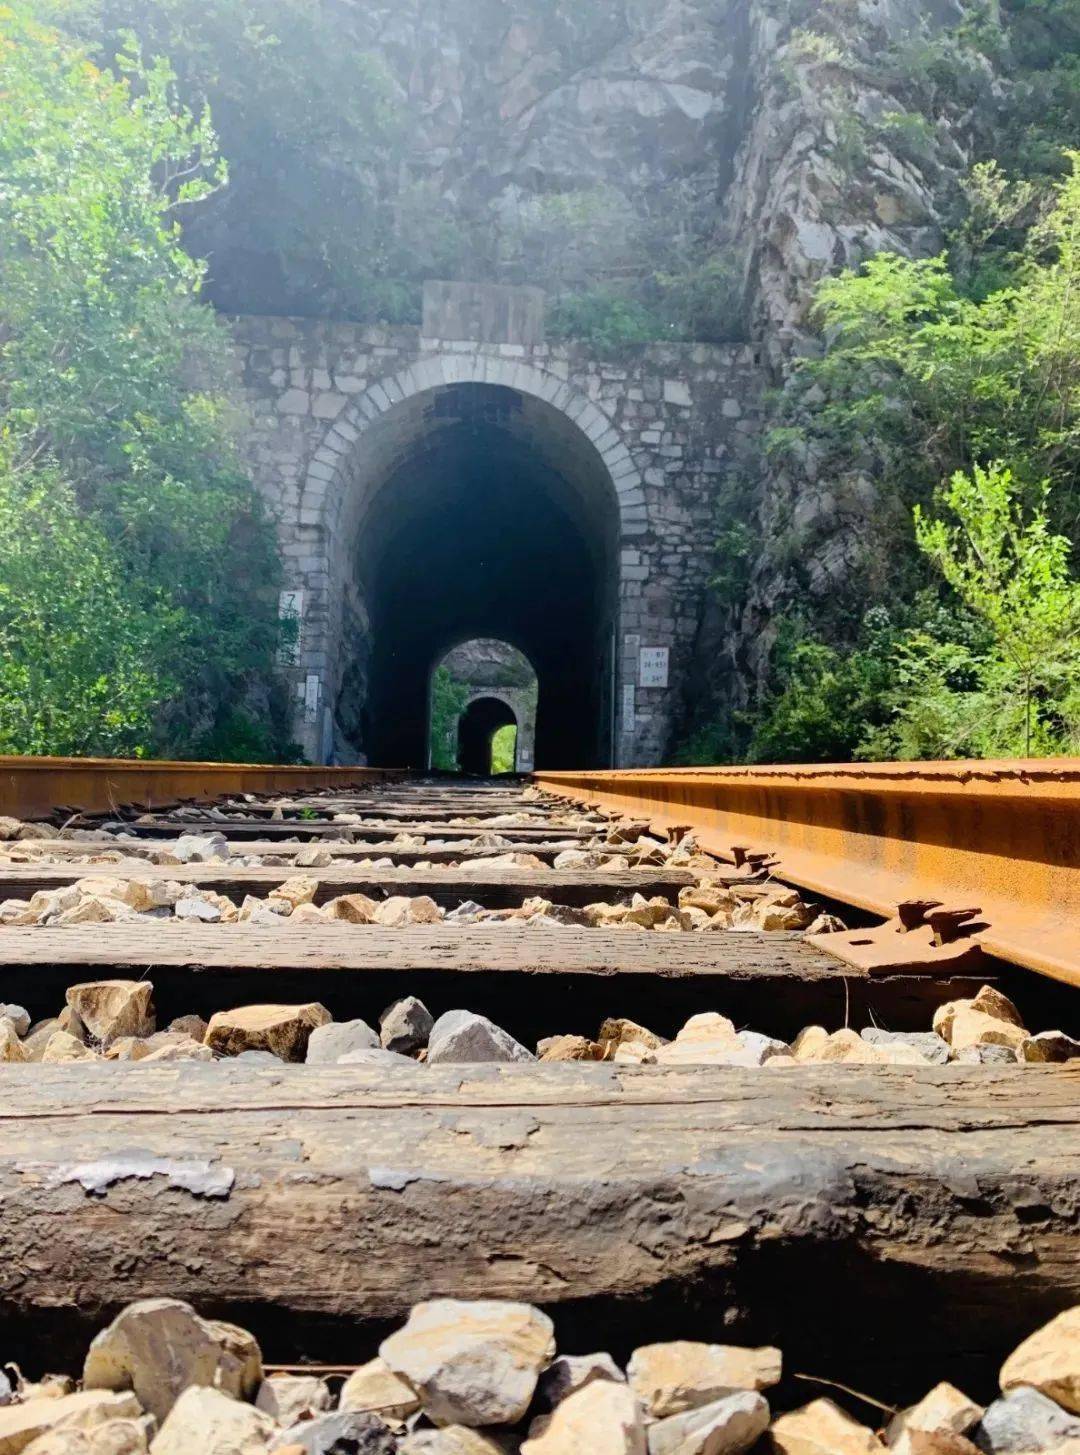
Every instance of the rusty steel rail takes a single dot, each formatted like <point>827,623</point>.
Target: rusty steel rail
<point>1002,838</point>
<point>33,787</point>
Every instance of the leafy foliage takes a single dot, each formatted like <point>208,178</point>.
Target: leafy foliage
<point>79,651</point>
<point>305,115</point>
<point>610,322</point>
<point>448,699</point>
<point>824,697</point>
<point>937,370</point>
<point>1012,572</point>
<point>113,391</point>
<point>928,381</point>
<point>504,749</point>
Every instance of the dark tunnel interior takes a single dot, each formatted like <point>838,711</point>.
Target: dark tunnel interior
<point>479,723</point>
<point>496,519</point>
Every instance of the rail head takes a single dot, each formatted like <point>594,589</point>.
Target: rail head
<point>1002,837</point>
<point>33,787</point>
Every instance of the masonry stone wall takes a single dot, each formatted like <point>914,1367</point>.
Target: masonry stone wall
<point>667,422</point>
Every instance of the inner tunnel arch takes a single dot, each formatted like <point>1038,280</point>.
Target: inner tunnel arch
<point>467,497</point>
<point>479,723</point>
<point>488,670</point>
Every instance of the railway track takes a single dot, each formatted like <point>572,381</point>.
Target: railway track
<point>887,1209</point>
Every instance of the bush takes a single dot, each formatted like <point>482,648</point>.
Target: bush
<point>114,399</point>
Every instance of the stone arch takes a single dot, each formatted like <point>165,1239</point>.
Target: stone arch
<point>361,449</point>
<point>481,679</point>
<point>476,715</point>
<point>324,477</point>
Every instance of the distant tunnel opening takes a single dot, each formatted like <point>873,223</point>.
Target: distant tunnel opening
<point>483,697</point>
<point>479,724</point>
<point>475,511</point>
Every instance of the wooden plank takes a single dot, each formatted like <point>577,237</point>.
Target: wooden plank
<point>462,852</point>
<point>536,981</point>
<point>430,809</point>
<point>461,949</point>
<point>493,888</point>
<point>390,812</point>
<point>308,830</point>
<point>322,1203</point>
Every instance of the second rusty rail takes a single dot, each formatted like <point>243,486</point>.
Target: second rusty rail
<point>946,840</point>
<point>33,787</point>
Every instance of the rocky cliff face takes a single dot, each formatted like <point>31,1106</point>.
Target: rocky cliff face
<point>558,138</point>
<point>506,103</point>
<point>852,145</point>
<point>794,136</point>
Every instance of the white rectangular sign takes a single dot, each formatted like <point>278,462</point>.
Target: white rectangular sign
<point>629,716</point>
<point>291,609</point>
<point>312,690</point>
<point>653,666</point>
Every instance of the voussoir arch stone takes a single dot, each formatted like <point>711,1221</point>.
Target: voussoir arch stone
<point>327,476</point>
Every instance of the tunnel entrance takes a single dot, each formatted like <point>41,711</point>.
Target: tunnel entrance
<point>474,511</point>
<point>481,721</point>
<point>483,697</point>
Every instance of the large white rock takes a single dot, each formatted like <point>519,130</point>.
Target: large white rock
<point>282,1029</point>
<point>405,1026</point>
<point>200,848</point>
<point>400,910</point>
<point>454,1440</point>
<point>970,1027</point>
<point>375,1056</point>
<point>11,1047</point>
<point>460,1037</point>
<point>673,1377</point>
<point>22,1423</point>
<point>114,1437</point>
<point>159,1347</point>
<point>940,1416</point>
<point>207,1422</point>
<point>822,1428</point>
<point>1023,1421</point>
<point>198,908</point>
<point>18,1017</point>
<point>113,1008</point>
<point>342,1432</point>
<point>927,1044</point>
<point>1049,1361</point>
<point>472,1363</point>
<point>375,1389</point>
<point>602,1418</point>
<point>988,1002</point>
<point>337,1038</point>
<point>571,1372</point>
<point>287,1398</point>
<point>728,1426</point>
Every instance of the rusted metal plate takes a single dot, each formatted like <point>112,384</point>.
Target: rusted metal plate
<point>1000,837</point>
<point>34,787</point>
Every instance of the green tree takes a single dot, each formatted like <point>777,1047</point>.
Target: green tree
<point>306,115</point>
<point>504,749</point>
<point>1012,571</point>
<point>919,379</point>
<point>448,699</point>
<point>80,654</point>
<point>114,377</point>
